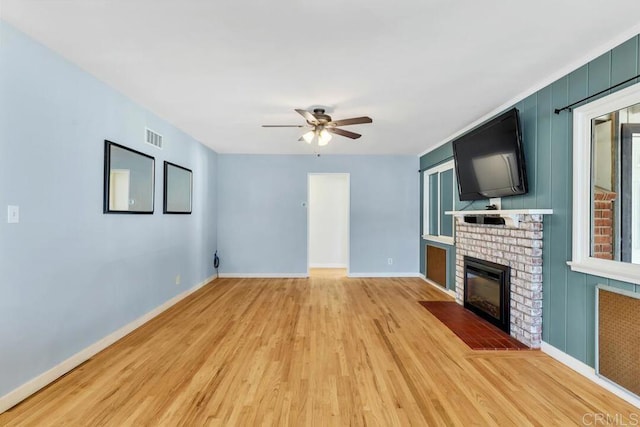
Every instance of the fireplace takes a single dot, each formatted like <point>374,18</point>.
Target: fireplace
<point>520,248</point>
<point>487,291</point>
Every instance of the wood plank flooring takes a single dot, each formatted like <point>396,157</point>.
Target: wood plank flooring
<point>320,351</point>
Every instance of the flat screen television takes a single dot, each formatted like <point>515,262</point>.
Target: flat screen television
<point>489,160</point>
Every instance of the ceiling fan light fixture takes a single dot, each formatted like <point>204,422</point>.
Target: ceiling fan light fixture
<point>323,138</point>
<point>308,136</point>
<point>322,126</point>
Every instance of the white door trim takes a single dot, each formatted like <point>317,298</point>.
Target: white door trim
<point>348,176</point>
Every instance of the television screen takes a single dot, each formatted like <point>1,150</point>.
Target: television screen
<point>489,159</point>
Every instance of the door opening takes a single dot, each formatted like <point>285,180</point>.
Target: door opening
<point>328,224</point>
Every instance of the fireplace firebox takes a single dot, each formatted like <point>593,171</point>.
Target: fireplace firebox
<point>487,291</point>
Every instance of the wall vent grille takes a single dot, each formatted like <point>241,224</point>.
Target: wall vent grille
<point>436,265</point>
<point>153,138</point>
<point>618,337</point>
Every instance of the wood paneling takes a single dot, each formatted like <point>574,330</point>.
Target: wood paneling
<point>319,351</point>
<point>555,230</point>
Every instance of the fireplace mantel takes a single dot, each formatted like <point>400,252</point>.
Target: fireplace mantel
<point>512,217</point>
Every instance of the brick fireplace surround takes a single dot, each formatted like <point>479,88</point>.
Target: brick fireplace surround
<point>519,248</point>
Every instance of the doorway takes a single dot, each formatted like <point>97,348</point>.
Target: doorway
<point>328,224</point>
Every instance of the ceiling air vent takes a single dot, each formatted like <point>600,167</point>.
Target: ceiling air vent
<point>153,138</point>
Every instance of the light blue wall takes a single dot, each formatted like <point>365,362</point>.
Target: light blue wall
<point>70,274</point>
<point>262,223</point>
<point>569,297</point>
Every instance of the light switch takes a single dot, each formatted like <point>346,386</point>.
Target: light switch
<point>13,214</point>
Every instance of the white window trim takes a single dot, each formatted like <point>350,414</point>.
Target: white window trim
<point>425,211</point>
<point>582,261</point>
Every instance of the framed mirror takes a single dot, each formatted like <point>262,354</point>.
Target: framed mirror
<point>178,189</point>
<point>606,186</point>
<point>128,180</point>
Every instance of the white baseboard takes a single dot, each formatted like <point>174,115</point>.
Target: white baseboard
<point>305,275</point>
<point>390,274</point>
<point>334,265</point>
<point>588,372</point>
<point>264,275</point>
<point>30,387</point>
<point>438,287</point>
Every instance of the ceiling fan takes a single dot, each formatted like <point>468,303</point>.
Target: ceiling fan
<point>322,126</point>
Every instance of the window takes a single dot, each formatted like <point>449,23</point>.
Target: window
<point>438,198</point>
<point>606,186</point>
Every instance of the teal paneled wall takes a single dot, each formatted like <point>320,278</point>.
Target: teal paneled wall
<point>569,297</point>
<point>429,160</point>
<point>435,157</point>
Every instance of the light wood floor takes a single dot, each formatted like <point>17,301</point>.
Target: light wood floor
<point>328,273</point>
<point>319,351</point>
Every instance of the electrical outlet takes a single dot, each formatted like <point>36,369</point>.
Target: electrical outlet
<point>390,261</point>
<point>178,279</point>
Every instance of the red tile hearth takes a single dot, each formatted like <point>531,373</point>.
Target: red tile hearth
<point>476,332</point>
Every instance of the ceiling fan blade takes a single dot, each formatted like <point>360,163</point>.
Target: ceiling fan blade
<point>283,126</point>
<point>343,132</point>
<point>307,116</point>
<point>353,121</point>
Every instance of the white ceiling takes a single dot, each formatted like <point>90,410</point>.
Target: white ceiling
<point>422,69</point>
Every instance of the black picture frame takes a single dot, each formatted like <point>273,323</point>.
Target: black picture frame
<point>178,189</point>
<point>129,180</point>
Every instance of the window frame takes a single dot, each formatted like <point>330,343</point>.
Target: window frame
<point>439,169</point>
<point>581,259</point>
